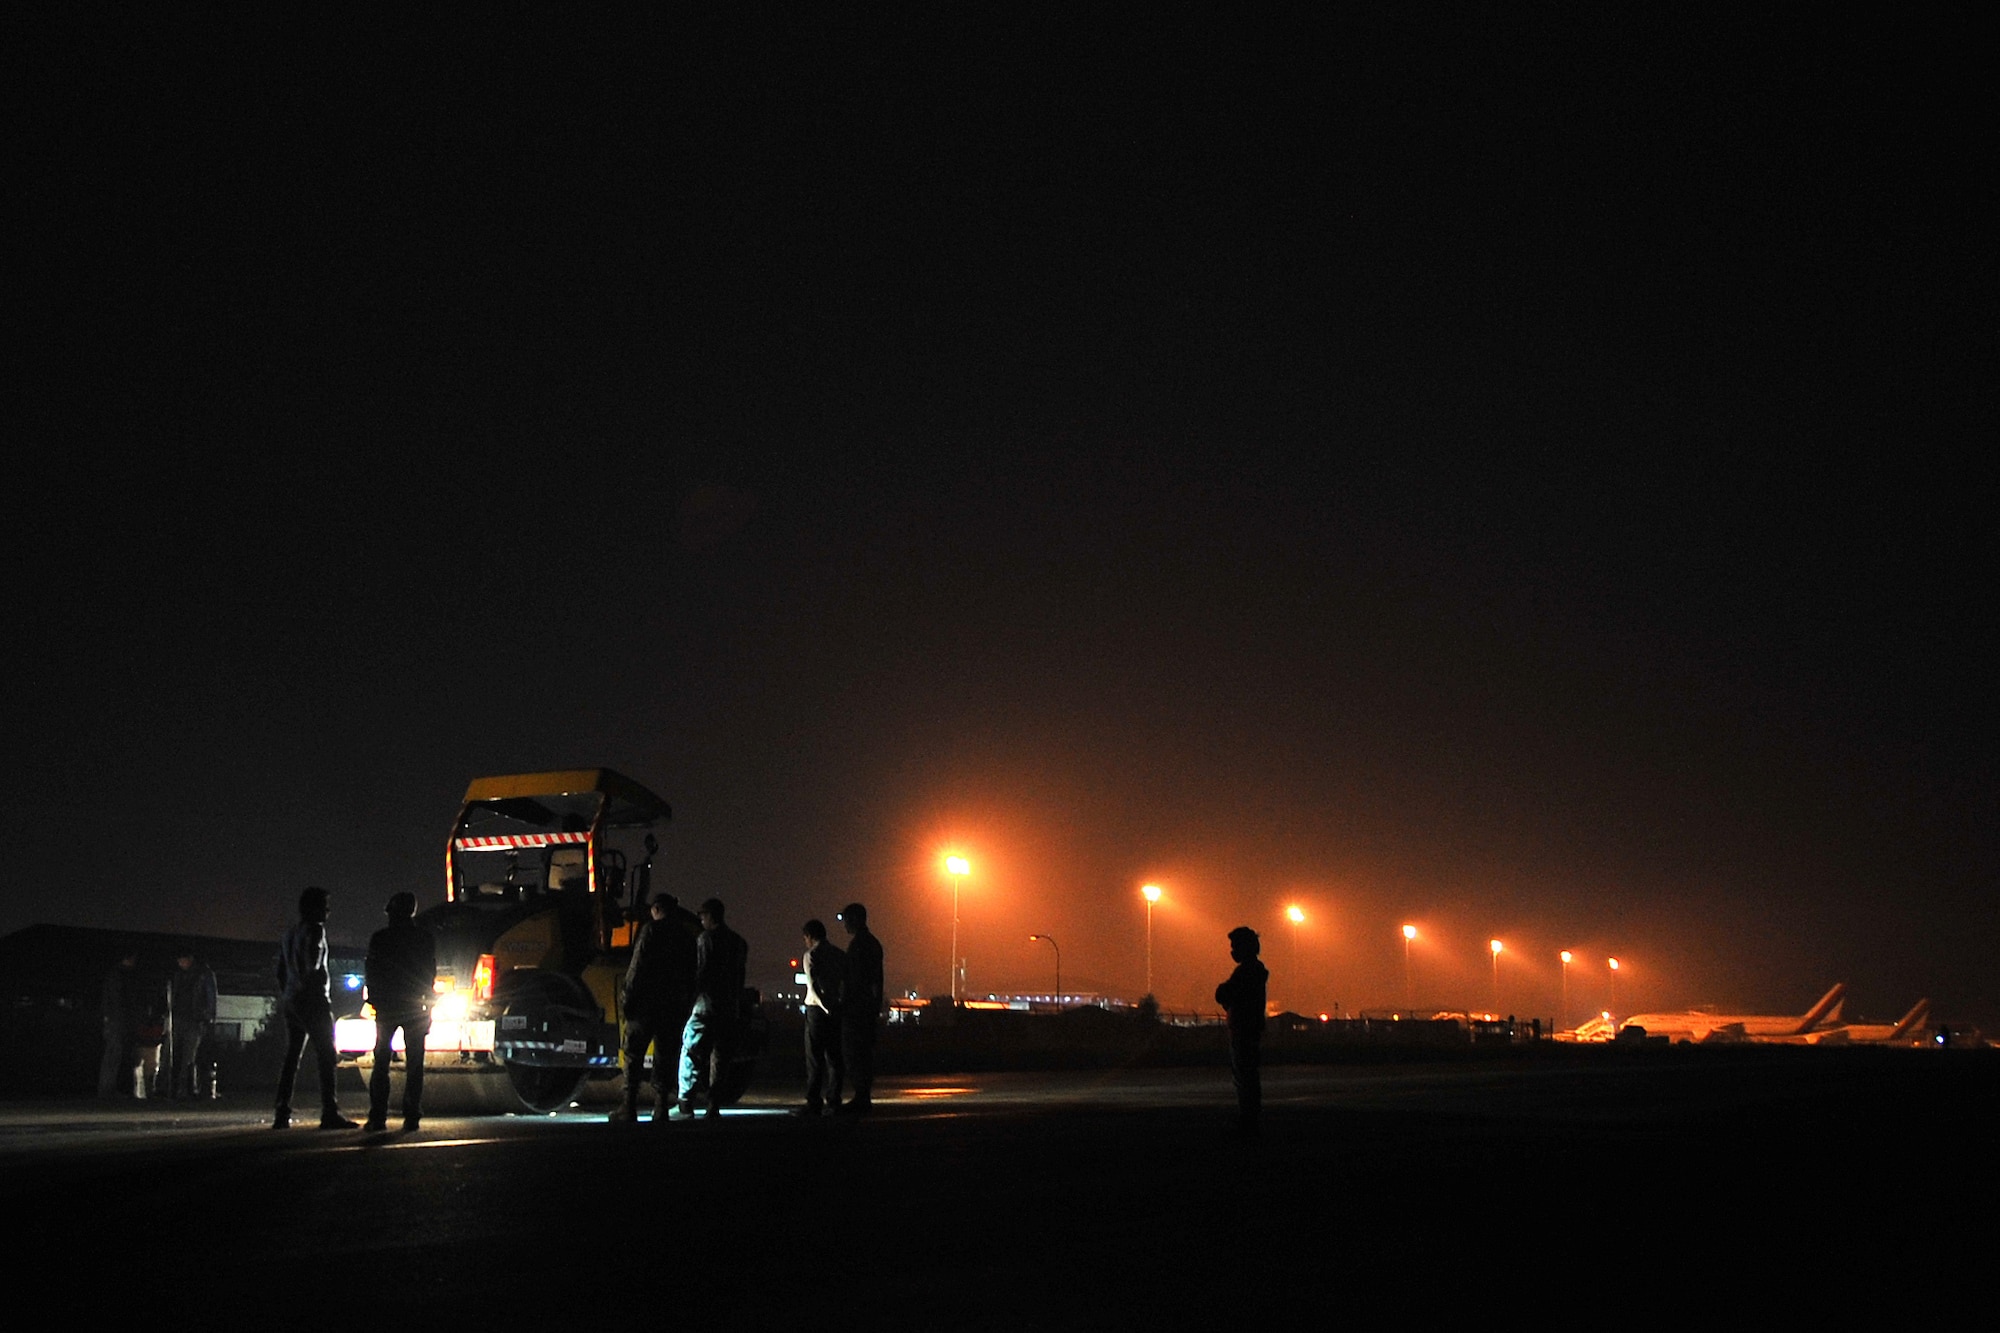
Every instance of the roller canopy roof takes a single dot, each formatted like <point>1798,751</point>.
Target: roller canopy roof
<point>516,796</point>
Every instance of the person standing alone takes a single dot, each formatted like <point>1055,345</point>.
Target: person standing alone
<point>1242,999</point>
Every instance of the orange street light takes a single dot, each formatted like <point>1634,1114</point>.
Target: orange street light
<point>1296,915</point>
<point>1051,941</point>
<point>1496,946</point>
<point>1409,994</point>
<point>1151,893</point>
<point>1563,1010</point>
<point>958,868</point>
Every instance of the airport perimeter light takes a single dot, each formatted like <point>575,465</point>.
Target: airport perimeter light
<point>1152,895</point>
<point>1296,915</point>
<point>1409,995</point>
<point>1058,948</point>
<point>958,868</point>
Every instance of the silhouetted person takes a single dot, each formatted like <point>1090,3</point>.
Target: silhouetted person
<point>402,985</point>
<point>116,1002</point>
<point>860,1006</point>
<point>148,1010</point>
<point>826,971</point>
<point>306,995</point>
<point>655,1000</point>
<point>1242,999</point>
<point>720,958</point>
<point>191,1009</point>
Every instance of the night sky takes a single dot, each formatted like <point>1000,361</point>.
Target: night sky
<point>1516,470</point>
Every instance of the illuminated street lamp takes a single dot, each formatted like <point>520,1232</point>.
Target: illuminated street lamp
<point>1612,963</point>
<point>958,868</point>
<point>1152,895</point>
<point>1496,946</point>
<point>1563,1009</point>
<point>1296,915</point>
<point>1058,948</point>
<point>1409,992</point>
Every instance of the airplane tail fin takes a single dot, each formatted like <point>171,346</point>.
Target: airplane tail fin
<point>1909,1024</point>
<point>1829,1003</point>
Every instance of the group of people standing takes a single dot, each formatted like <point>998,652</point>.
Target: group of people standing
<point>142,1019</point>
<point>401,975</point>
<point>683,998</point>
<point>675,986</point>
<point>844,997</point>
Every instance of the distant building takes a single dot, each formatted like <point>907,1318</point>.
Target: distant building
<point>51,984</point>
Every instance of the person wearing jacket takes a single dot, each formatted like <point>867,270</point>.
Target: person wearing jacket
<point>654,1000</point>
<point>402,985</point>
<point>721,958</point>
<point>1242,998</point>
<point>191,1011</point>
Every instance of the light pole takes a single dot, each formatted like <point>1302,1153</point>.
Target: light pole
<point>958,867</point>
<point>1296,915</point>
<point>1496,946</point>
<point>1152,895</point>
<point>1409,991</point>
<point>1058,948</point>
<point>1563,1008</point>
<point>1612,963</point>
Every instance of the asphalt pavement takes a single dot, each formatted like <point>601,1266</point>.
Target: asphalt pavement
<point>1106,1199</point>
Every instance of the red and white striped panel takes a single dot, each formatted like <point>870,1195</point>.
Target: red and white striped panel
<point>520,840</point>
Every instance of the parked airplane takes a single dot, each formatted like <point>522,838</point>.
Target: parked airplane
<point>1909,1030</point>
<point>1700,1025</point>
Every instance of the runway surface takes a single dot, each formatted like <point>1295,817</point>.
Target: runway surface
<point>1114,1199</point>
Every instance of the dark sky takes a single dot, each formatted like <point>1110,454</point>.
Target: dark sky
<point>1520,473</point>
